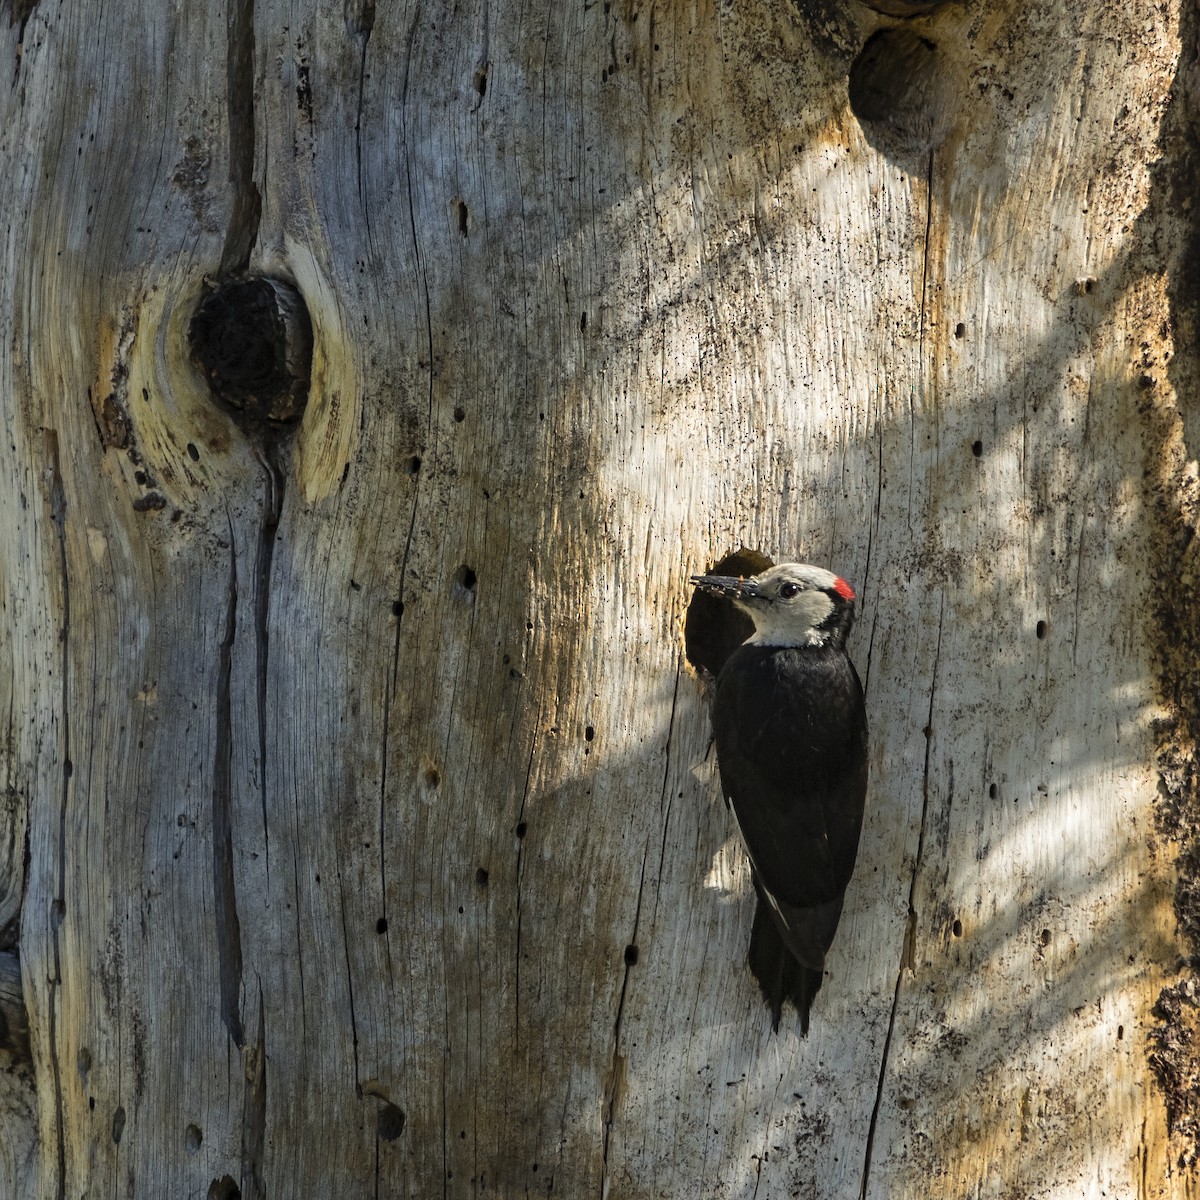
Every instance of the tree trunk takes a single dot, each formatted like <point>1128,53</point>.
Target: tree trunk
<point>361,832</point>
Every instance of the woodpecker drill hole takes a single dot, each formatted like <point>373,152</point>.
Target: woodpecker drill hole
<point>193,453</point>
<point>631,955</point>
<point>397,608</point>
<point>714,627</point>
<point>381,925</point>
<point>224,1189</point>
<point>390,1123</point>
<point>252,341</point>
<point>463,218</point>
<point>956,928</point>
<point>993,791</point>
<point>466,579</point>
<point>977,449</point>
<point>1040,630</point>
<point>589,733</point>
<point>904,92</point>
<point>433,776</point>
<point>460,414</point>
<point>904,8</point>
<point>481,877</point>
<point>960,331</point>
<point>522,829</point>
<point>413,466</point>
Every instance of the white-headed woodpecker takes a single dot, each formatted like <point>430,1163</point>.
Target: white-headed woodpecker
<point>791,735</point>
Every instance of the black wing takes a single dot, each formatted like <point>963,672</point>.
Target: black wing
<point>791,736</point>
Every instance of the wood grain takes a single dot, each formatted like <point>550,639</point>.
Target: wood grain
<point>342,833</point>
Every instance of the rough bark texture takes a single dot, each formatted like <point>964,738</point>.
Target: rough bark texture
<point>359,825</point>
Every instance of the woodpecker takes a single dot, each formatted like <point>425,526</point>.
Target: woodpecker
<point>791,734</point>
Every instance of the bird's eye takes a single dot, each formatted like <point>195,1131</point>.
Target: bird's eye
<point>788,590</point>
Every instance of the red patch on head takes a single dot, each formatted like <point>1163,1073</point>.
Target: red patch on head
<point>843,589</point>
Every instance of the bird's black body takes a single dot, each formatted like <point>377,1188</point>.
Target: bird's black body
<point>791,737</point>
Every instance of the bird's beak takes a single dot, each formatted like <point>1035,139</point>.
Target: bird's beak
<point>733,587</point>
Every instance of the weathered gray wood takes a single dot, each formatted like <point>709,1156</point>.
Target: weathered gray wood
<point>341,834</point>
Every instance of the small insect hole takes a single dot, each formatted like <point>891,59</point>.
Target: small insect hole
<point>460,415</point>
<point>397,608</point>
<point>993,791</point>
<point>481,82</point>
<point>381,925</point>
<point>522,829</point>
<point>631,955</point>
<point>481,877</point>
<point>433,776</point>
<point>193,453</point>
<point>1046,937</point>
<point>462,217</point>
<point>1041,630</point>
<point>413,465</point>
<point>977,449</point>
<point>956,928</point>
<point>960,330</point>
<point>589,733</point>
<point>1120,1033</point>
<point>466,578</point>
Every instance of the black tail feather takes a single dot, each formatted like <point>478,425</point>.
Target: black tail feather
<point>779,975</point>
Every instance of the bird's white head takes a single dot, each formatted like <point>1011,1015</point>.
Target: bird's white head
<point>792,604</point>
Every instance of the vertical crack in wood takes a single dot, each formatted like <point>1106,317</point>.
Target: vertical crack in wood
<point>412,212</point>
<point>616,1068</point>
<point>272,507</point>
<point>445,1097</point>
<point>229,933</point>
<point>254,1112</point>
<point>908,953</point>
<point>872,532</point>
<point>10,933</point>
<point>362,23</point>
<point>349,984</point>
<point>389,694</point>
<point>520,847</point>
<point>58,514</point>
<point>924,312</point>
<point>246,208</point>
